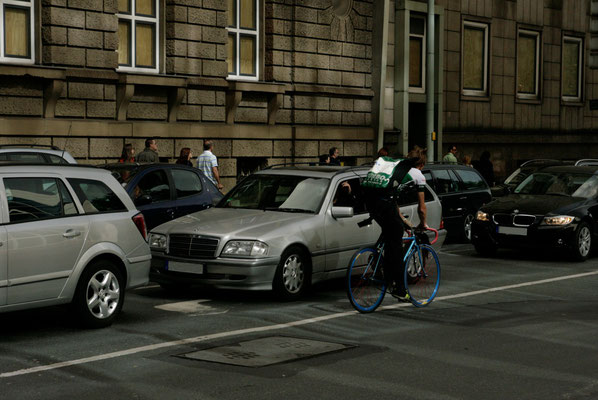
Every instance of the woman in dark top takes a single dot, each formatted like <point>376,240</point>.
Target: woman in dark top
<point>185,157</point>
<point>128,154</point>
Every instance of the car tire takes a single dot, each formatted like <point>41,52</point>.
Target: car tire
<point>582,242</point>
<point>485,249</point>
<point>100,294</point>
<point>466,234</point>
<point>293,274</point>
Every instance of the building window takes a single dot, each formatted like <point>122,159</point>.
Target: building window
<point>243,39</point>
<point>475,59</point>
<point>417,55</point>
<point>138,35</point>
<point>16,31</point>
<point>528,64</point>
<point>572,73</point>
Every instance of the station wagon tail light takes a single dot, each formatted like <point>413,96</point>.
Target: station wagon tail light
<point>139,222</point>
<point>558,220</point>
<point>245,248</point>
<point>482,216</point>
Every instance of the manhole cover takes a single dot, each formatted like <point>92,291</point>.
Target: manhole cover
<point>265,351</point>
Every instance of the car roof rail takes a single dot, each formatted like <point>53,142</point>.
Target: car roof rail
<point>539,161</point>
<point>292,164</point>
<point>46,146</point>
<point>586,161</point>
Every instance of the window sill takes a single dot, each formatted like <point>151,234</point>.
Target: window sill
<point>523,100</point>
<point>572,103</point>
<point>472,97</point>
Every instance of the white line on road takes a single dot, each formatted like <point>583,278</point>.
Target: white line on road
<point>267,328</point>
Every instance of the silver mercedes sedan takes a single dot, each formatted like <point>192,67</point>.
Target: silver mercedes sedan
<point>280,229</point>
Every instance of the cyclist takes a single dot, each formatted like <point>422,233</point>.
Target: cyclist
<point>380,192</point>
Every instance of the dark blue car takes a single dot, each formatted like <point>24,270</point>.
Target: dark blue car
<point>163,192</point>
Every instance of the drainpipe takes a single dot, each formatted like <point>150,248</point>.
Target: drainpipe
<point>380,58</point>
<point>430,88</point>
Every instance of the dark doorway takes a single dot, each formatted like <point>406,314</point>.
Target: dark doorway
<point>417,125</point>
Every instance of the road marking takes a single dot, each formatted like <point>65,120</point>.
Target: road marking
<point>193,307</point>
<point>267,328</point>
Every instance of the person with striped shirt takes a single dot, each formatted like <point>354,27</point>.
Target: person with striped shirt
<point>208,163</point>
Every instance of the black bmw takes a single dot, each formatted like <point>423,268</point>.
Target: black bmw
<point>554,208</point>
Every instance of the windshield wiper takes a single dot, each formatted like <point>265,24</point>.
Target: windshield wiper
<point>292,210</point>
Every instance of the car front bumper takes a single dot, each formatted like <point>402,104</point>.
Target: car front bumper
<point>223,273</point>
<point>536,236</point>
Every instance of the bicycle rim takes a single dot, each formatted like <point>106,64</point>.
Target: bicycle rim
<point>422,275</point>
<point>366,286</point>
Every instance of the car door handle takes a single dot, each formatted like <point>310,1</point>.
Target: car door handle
<point>463,198</point>
<point>71,233</point>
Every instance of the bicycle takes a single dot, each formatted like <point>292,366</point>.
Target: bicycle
<point>365,278</point>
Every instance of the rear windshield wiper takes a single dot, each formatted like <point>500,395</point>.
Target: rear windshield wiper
<point>292,210</point>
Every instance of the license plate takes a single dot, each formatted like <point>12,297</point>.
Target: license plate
<point>508,230</point>
<point>184,267</point>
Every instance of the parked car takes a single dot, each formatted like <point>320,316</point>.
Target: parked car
<point>553,208</point>
<point>462,191</point>
<point>519,175</point>
<point>69,234</point>
<point>163,192</point>
<point>35,154</point>
<point>279,229</point>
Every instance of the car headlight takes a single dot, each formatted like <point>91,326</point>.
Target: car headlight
<point>482,216</point>
<point>558,220</point>
<point>157,241</point>
<point>245,248</point>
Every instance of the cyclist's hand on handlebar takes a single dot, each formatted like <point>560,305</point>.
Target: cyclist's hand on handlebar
<point>422,226</point>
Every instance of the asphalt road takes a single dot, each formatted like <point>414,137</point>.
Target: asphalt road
<point>514,327</point>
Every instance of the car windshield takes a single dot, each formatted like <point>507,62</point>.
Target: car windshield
<point>560,184</point>
<point>516,177</point>
<point>122,172</point>
<point>278,193</point>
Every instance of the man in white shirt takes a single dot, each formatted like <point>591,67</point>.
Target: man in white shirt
<point>208,163</point>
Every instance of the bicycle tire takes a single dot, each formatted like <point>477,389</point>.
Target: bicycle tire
<point>366,286</point>
<point>422,284</point>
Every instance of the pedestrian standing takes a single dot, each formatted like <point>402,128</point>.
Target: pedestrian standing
<point>486,168</point>
<point>185,157</point>
<point>150,153</point>
<point>451,156</point>
<point>208,163</point>
<point>128,154</point>
<point>334,156</point>
<point>467,160</point>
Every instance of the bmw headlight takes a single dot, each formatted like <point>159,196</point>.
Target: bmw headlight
<point>157,241</point>
<point>245,248</point>
<point>482,216</point>
<point>558,220</point>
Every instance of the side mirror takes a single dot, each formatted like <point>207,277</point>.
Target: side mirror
<point>342,212</point>
<point>143,200</point>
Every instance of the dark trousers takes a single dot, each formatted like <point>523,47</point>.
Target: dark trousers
<point>384,211</point>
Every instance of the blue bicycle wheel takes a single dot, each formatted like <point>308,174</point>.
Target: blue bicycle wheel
<point>422,275</point>
<point>366,286</point>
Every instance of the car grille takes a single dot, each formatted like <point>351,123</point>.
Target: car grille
<point>192,246</point>
<point>514,220</point>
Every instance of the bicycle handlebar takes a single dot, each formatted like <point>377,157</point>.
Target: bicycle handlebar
<point>435,234</point>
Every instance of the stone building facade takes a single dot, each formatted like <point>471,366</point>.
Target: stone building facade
<point>85,80</point>
<point>525,92</point>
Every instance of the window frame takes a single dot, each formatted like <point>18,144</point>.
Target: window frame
<point>133,19</point>
<point>537,67</point>
<point>23,4</point>
<point>485,27</point>
<point>580,70</point>
<point>238,32</point>
<point>423,38</point>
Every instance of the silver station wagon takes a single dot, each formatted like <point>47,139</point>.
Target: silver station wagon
<point>280,229</point>
<point>69,234</point>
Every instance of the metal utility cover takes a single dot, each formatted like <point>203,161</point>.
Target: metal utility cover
<point>265,351</point>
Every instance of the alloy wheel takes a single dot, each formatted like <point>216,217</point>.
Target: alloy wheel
<point>584,241</point>
<point>103,294</point>
<point>293,274</point>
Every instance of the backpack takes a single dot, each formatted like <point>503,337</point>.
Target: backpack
<point>385,171</point>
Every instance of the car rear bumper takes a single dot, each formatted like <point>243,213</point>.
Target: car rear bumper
<point>223,273</point>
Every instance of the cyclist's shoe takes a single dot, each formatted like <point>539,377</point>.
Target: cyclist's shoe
<point>399,294</point>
